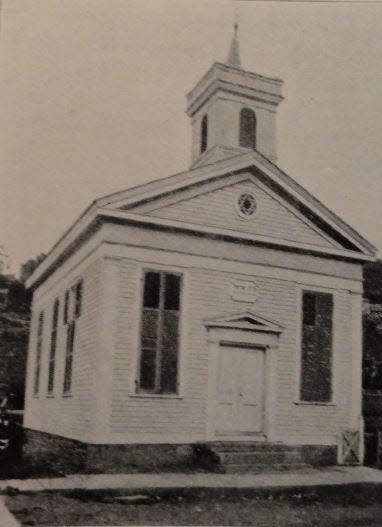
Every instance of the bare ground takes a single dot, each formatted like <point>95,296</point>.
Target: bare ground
<point>56,509</point>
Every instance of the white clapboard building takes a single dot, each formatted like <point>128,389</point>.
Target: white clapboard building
<point>218,306</point>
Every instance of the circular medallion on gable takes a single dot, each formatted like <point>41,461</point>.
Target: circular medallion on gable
<point>246,205</point>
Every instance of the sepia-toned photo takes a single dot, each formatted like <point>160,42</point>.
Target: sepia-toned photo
<point>190,263</point>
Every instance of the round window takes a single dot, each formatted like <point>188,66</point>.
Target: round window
<point>246,205</point>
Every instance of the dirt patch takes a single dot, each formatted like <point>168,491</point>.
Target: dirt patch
<point>56,509</point>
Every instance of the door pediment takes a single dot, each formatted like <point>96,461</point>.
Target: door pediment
<point>247,320</point>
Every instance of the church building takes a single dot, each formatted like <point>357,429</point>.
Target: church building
<point>215,310</point>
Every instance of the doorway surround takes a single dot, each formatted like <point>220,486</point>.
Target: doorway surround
<point>241,334</point>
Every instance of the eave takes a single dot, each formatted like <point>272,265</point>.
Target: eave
<point>107,208</point>
<point>96,216</point>
<point>252,159</point>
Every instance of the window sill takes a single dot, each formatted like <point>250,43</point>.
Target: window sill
<point>313,403</point>
<point>50,395</point>
<point>156,395</point>
<point>67,394</point>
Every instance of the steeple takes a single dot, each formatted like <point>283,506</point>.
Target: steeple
<point>234,52</point>
<point>233,111</point>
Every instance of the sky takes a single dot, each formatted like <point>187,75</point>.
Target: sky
<point>93,101</point>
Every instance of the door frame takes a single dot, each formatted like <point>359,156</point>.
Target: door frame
<point>267,342</point>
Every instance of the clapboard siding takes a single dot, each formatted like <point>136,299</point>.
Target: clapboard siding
<point>218,208</point>
<point>106,353</point>
<point>70,416</point>
<point>206,295</point>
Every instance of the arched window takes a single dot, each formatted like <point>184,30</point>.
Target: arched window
<point>203,134</point>
<point>247,136</point>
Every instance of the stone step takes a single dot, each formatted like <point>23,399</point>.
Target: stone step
<point>262,457</point>
<point>251,447</point>
<point>250,457</point>
<point>262,468</point>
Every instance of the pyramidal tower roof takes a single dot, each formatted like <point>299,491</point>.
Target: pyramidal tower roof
<point>234,51</point>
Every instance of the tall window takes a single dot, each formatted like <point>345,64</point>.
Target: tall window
<point>66,306</point>
<point>72,311</point>
<point>70,336</point>
<point>316,359</point>
<point>53,347</point>
<point>77,290</point>
<point>204,134</point>
<point>247,136</point>
<point>160,332</point>
<point>37,371</point>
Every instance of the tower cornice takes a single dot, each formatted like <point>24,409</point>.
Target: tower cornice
<point>236,82</point>
<point>219,66</point>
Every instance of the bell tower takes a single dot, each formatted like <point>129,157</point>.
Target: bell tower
<point>233,110</point>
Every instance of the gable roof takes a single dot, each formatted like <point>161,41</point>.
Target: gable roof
<point>240,161</point>
<point>355,245</point>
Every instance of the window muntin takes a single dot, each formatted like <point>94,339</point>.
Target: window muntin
<point>37,372</point>
<point>204,134</point>
<point>53,347</point>
<point>247,133</point>
<point>158,368</point>
<point>316,347</point>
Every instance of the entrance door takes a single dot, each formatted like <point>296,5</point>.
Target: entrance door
<point>239,408</point>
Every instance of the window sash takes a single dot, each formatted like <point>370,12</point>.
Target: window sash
<point>78,290</point>
<point>53,347</point>
<point>156,343</point>
<point>68,373</point>
<point>247,132</point>
<point>36,384</point>
<point>316,374</point>
<point>66,306</point>
<point>204,134</point>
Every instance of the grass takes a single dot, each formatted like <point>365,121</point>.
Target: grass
<point>333,509</point>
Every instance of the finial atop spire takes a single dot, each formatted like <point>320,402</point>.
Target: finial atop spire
<point>234,53</point>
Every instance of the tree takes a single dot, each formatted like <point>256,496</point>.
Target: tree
<point>372,281</point>
<point>372,326</point>
<point>28,267</point>
<point>14,331</point>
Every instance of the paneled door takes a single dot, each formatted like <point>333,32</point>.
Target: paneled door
<point>240,391</point>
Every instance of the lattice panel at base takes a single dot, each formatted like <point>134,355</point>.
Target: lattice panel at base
<point>350,447</point>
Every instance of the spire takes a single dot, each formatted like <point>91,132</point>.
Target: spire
<point>234,53</point>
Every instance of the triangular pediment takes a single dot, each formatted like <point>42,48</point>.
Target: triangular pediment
<point>202,199</point>
<point>216,204</point>
<point>245,320</point>
<point>137,204</point>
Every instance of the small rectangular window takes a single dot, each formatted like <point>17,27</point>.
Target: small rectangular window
<point>70,339</point>
<point>53,346</point>
<point>160,332</point>
<point>316,352</point>
<point>40,330</point>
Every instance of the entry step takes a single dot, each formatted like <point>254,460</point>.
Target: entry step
<point>252,457</point>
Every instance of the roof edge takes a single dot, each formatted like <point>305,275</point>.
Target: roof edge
<point>102,214</point>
